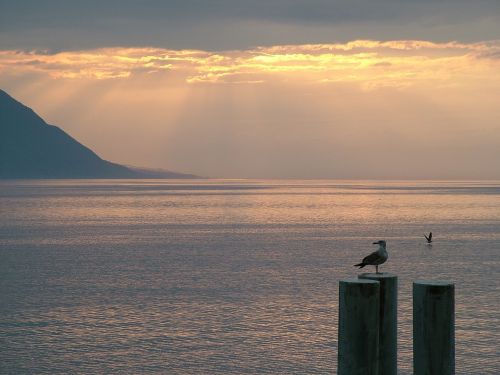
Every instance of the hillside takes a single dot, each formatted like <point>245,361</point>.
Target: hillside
<point>31,148</point>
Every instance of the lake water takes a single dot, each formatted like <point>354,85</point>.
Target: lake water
<point>229,277</point>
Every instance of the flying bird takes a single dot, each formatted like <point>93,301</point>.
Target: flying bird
<point>429,237</point>
<point>376,258</point>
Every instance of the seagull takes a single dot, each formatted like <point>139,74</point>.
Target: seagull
<point>375,258</point>
<point>429,237</point>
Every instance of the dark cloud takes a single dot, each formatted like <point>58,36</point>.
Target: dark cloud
<point>492,54</point>
<point>235,24</point>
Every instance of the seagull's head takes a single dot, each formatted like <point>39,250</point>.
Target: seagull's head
<point>381,243</point>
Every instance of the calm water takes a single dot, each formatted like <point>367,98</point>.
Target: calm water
<point>228,277</point>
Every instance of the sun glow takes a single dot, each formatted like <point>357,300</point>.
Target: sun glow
<point>313,110</point>
<point>395,63</point>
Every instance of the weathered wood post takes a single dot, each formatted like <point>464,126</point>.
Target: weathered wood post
<point>433,328</point>
<point>388,323</point>
<point>359,301</point>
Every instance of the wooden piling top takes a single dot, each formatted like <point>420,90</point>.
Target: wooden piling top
<point>434,283</point>
<point>382,275</point>
<point>357,281</point>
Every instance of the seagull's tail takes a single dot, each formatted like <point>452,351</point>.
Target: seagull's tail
<point>360,265</point>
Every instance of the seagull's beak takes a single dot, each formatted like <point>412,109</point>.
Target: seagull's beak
<point>376,243</point>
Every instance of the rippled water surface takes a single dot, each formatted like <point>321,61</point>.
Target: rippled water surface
<point>228,277</point>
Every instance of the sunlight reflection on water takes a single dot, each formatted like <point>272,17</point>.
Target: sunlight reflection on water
<point>206,277</point>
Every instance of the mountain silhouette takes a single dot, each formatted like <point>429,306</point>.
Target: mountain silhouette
<point>31,148</point>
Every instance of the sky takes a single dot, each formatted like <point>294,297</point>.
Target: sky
<point>378,89</point>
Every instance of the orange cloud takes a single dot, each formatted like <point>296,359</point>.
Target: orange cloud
<point>371,63</point>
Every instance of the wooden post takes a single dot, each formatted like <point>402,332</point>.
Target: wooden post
<point>359,301</point>
<point>433,328</point>
<point>388,324</point>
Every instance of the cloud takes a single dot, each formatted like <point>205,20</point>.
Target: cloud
<point>396,63</point>
<point>238,24</point>
<point>365,108</point>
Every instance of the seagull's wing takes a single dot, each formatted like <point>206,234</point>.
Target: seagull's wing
<point>370,259</point>
<point>428,238</point>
